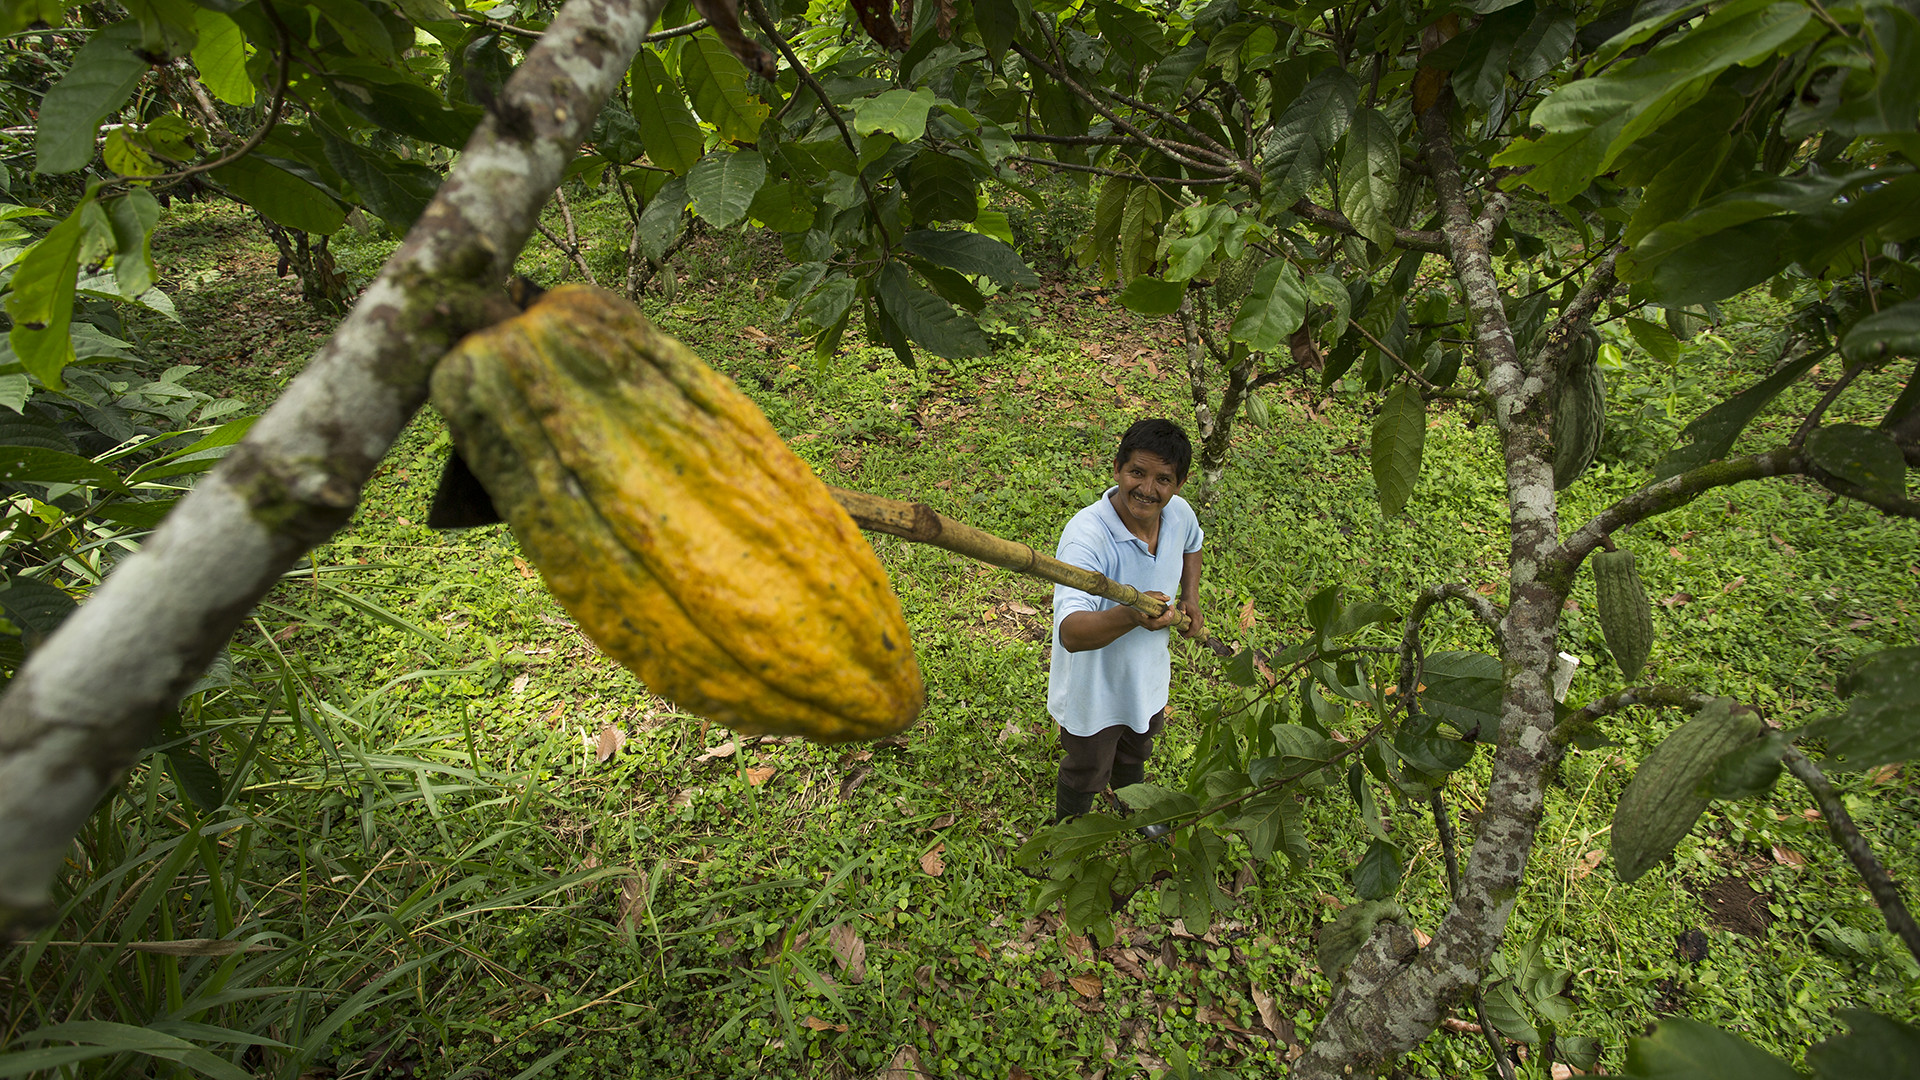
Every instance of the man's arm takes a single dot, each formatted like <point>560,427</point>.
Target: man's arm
<point>1084,630</point>
<point>1190,595</point>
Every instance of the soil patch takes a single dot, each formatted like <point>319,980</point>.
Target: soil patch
<point>1732,904</point>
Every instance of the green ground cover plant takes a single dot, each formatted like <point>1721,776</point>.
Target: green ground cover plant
<point>443,835</point>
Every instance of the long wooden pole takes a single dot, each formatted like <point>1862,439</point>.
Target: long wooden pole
<point>921,524</point>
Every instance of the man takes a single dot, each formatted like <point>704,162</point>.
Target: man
<point>1107,689</point>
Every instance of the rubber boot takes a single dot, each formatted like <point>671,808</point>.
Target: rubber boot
<point>1068,803</point>
<point>1129,775</point>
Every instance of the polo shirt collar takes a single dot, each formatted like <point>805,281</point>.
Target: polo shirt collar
<point>1116,528</point>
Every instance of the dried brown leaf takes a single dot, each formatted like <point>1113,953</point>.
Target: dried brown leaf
<point>850,951</point>
<point>1088,986</point>
<point>760,774</point>
<point>814,1023</point>
<point>904,1066</point>
<point>1786,856</point>
<point>931,863</point>
<point>1585,864</point>
<point>633,894</point>
<point>1248,616</point>
<point>610,741</point>
<point>1076,946</point>
<point>520,684</point>
<point>1269,1012</point>
<point>520,564</point>
<point>715,753</point>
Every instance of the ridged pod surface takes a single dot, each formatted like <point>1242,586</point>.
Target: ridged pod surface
<point>1625,616</point>
<point>1579,412</point>
<point>1661,802</point>
<point>672,522</point>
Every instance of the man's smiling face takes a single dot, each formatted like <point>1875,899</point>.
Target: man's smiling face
<point>1147,482</point>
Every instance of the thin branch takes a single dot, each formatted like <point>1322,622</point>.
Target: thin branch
<point>1671,493</point>
<point>1588,718</point>
<point>259,133</point>
<point>1170,149</point>
<point>1432,243</point>
<point>759,12</point>
<point>1574,318</point>
<point>1054,163</point>
<point>85,703</point>
<point>1074,140</point>
<point>1847,836</point>
<point>1826,402</point>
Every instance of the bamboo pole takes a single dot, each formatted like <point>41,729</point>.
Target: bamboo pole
<point>921,524</point>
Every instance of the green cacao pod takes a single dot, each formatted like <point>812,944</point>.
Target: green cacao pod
<point>1625,616</point>
<point>1579,411</point>
<point>1257,410</point>
<point>1235,277</point>
<point>673,523</point>
<point>1661,802</point>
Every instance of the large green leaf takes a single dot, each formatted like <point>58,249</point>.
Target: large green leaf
<point>1481,74</point>
<point>1378,875</point>
<point>1876,1046</point>
<point>940,187</point>
<point>1683,1049</point>
<point>1131,31</point>
<point>616,135</point>
<point>1882,722</point>
<point>1399,439</point>
<point>1369,175</point>
<point>1892,332</point>
<point>133,217</point>
<point>1171,75</point>
<point>999,22</point>
<point>717,83</point>
<point>395,191</point>
<point>663,218</point>
<point>283,197</point>
<point>972,253</point>
<point>900,113</point>
<point>1464,690</point>
<point>1711,435</point>
<point>723,184</point>
<point>35,465</point>
<point>1295,151</point>
<point>928,319</point>
<point>35,607</point>
<point>1147,295</point>
<point>1860,455</point>
<point>784,206</point>
<point>221,56</point>
<point>1588,123</point>
<point>667,128</point>
<point>41,302</point>
<point>102,77</point>
<point>1273,309</point>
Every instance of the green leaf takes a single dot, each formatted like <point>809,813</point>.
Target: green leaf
<point>1369,175</point>
<point>41,302</point>
<point>940,187</point>
<point>784,206</point>
<point>1464,690</point>
<point>133,216</point>
<point>1295,152</point>
<point>1481,74</point>
<point>1893,332</point>
<point>1147,295</point>
<point>1860,455</point>
<point>616,135</point>
<point>361,31</point>
<point>1591,121</point>
<point>1711,435</point>
<point>1657,340</point>
<point>722,185</point>
<point>196,779</point>
<point>667,129</point>
<point>283,197</point>
<point>221,57</point>
<point>1137,235</point>
<point>662,219</point>
<point>928,319</point>
<point>36,465</point>
<point>395,191</point>
<point>1134,33</point>
<point>102,77</point>
<point>1881,724</point>
<point>1240,670</point>
<point>1748,771</point>
<point>1683,1049</point>
<point>717,83</point>
<point>1876,1046</point>
<point>36,608</point>
<point>972,253</point>
<point>900,113</point>
<point>1275,306</point>
<point>1170,76</point>
<point>1399,439</point>
<point>1508,1014</point>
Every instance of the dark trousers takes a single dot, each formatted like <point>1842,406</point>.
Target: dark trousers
<point>1092,760</point>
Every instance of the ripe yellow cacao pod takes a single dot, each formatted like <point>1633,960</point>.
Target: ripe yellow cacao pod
<point>674,524</point>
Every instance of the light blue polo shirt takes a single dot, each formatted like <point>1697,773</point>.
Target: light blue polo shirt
<point>1126,682</point>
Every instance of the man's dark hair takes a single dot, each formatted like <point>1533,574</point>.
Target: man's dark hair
<point>1163,439</point>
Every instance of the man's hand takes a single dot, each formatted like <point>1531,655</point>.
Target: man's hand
<point>1196,627</point>
<point>1158,622</point>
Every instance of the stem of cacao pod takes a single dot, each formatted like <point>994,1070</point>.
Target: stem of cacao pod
<point>921,524</point>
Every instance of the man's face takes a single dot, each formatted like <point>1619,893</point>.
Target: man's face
<point>1146,482</point>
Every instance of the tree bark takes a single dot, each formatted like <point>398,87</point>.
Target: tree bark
<point>79,711</point>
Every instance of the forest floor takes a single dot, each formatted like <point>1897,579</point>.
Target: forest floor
<point>521,899</point>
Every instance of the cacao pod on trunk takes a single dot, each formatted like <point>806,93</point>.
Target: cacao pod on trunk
<point>1579,411</point>
<point>1662,801</point>
<point>1625,616</point>
<point>674,524</point>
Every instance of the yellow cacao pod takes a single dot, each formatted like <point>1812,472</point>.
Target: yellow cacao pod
<point>674,524</point>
